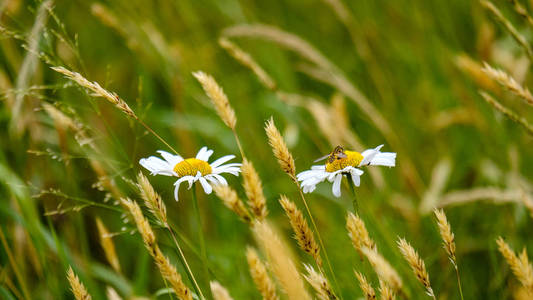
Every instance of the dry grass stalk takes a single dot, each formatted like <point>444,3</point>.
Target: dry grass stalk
<point>218,97</point>
<point>494,194</point>
<point>246,60</point>
<point>319,282</point>
<point>358,233</point>
<point>522,11</point>
<point>280,149</point>
<point>508,82</point>
<point>152,199</point>
<point>386,292</point>
<point>112,294</point>
<point>417,265</point>
<point>439,177</point>
<point>303,234</point>
<point>97,90</point>
<point>520,265</point>
<point>511,115</point>
<point>231,200</point>
<point>448,243</point>
<point>284,39</point>
<point>254,190</point>
<point>78,289</point>
<point>167,270</point>
<point>520,39</point>
<point>219,292</point>
<point>366,287</point>
<point>447,235</point>
<point>259,273</point>
<point>107,244</point>
<point>281,262</point>
<point>383,269</point>
<point>21,112</point>
<point>475,71</point>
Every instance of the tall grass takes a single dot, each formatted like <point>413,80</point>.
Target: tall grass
<point>89,88</point>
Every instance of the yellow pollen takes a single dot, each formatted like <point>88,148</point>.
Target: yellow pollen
<point>352,158</point>
<point>191,166</point>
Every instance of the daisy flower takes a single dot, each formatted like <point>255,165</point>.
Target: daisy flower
<point>192,169</point>
<point>344,162</point>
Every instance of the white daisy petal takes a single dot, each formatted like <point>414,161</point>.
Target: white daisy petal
<point>369,154</point>
<point>387,159</point>
<point>208,154</point>
<point>356,178</point>
<point>207,187</point>
<point>220,179</point>
<point>157,166</point>
<point>170,158</point>
<point>222,160</point>
<point>336,188</point>
<point>204,154</point>
<point>177,186</point>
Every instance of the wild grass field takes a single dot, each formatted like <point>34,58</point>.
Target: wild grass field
<point>91,90</point>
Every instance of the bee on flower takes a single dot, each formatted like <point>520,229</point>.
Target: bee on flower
<point>192,169</point>
<point>342,162</point>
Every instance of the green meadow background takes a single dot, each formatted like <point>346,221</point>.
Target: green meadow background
<point>414,61</point>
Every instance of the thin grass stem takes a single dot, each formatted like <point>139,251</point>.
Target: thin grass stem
<point>319,239</point>
<point>181,256</point>
<point>201,238</point>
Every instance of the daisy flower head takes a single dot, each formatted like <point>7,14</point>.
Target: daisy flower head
<point>192,169</point>
<point>342,162</point>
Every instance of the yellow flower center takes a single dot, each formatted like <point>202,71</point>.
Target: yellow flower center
<point>352,158</point>
<point>191,166</point>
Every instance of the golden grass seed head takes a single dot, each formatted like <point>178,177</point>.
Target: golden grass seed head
<point>259,273</point>
<point>508,82</point>
<point>97,90</point>
<point>281,262</point>
<point>417,265</point>
<point>383,268</point>
<point>218,97</point>
<point>108,245</point>
<point>78,289</point>
<point>319,283</point>
<point>112,294</point>
<point>169,273</point>
<point>280,149</point>
<point>358,233</point>
<point>366,287</point>
<point>254,190</point>
<point>302,231</point>
<point>219,292</point>
<point>142,223</point>
<point>520,265</point>
<point>152,199</point>
<point>231,200</point>
<point>446,234</point>
<point>385,291</point>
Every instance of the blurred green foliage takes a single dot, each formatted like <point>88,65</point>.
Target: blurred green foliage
<point>401,54</point>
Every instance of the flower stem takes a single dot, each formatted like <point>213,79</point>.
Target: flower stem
<point>319,239</point>
<point>201,238</point>
<point>185,264</point>
<point>354,201</point>
<point>238,143</point>
<point>458,280</point>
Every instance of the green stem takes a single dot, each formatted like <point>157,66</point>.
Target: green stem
<point>201,238</point>
<point>354,201</point>
<point>458,280</point>
<point>319,239</point>
<point>185,264</point>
